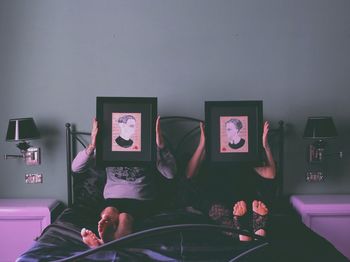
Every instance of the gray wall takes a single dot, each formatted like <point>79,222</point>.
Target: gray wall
<point>57,56</point>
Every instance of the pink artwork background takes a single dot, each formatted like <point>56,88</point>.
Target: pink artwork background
<point>243,133</point>
<point>136,146</point>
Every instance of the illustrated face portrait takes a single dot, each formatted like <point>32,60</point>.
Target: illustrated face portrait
<point>233,134</point>
<point>126,131</point>
<point>232,129</point>
<point>127,128</point>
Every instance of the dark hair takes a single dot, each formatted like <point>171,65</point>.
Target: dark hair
<point>123,119</point>
<point>238,124</point>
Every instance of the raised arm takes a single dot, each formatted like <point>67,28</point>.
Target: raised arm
<point>269,170</point>
<point>85,158</point>
<point>166,162</point>
<point>198,155</point>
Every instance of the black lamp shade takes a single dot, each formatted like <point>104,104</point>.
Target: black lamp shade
<point>22,129</point>
<point>320,128</point>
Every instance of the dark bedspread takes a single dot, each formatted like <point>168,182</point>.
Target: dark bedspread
<point>289,240</point>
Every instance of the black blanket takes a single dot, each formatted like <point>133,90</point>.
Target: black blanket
<point>180,235</point>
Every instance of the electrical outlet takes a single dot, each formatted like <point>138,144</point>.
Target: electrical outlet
<point>33,178</point>
<point>314,176</point>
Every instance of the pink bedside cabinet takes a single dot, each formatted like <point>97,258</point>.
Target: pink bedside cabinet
<point>328,216</point>
<point>21,221</point>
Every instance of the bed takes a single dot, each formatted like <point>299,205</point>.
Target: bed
<point>177,232</point>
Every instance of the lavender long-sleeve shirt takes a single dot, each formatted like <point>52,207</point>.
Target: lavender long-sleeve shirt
<point>129,182</point>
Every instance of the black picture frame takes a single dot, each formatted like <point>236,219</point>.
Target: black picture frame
<point>140,148</point>
<point>220,147</point>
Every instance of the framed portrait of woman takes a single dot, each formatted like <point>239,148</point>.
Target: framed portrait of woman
<point>126,133</point>
<point>234,132</point>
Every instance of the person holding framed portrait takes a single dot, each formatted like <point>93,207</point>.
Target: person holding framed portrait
<point>127,126</point>
<point>227,193</point>
<point>129,192</point>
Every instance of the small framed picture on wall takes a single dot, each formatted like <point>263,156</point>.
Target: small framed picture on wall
<point>234,132</point>
<point>126,135</point>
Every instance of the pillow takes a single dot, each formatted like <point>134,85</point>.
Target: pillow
<point>88,188</point>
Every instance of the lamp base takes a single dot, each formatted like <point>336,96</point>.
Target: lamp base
<point>31,156</point>
<point>23,146</point>
<point>317,151</point>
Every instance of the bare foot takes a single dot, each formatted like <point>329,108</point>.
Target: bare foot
<point>106,228</point>
<point>259,208</point>
<point>125,226</point>
<point>111,212</point>
<point>108,223</point>
<point>239,210</point>
<point>90,239</point>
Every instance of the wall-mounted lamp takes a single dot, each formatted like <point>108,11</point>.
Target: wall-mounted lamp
<point>319,128</point>
<point>20,130</point>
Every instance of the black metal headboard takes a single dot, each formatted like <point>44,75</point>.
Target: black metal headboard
<point>184,134</point>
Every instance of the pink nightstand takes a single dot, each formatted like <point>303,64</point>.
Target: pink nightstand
<point>21,221</point>
<point>327,215</point>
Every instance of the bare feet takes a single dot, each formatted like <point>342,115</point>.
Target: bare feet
<point>259,220</point>
<point>90,239</point>
<point>108,224</point>
<point>125,226</point>
<point>111,212</point>
<point>239,210</point>
<point>106,228</point>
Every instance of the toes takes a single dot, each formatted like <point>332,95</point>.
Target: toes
<point>259,207</point>
<point>106,229</point>
<point>90,239</point>
<point>262,206</point>
<point>266,210</point>
<point>234,209</point>
<point>104,217</point>
<point>83,232</point>
<point>243,205</point>
<point>240,208</point>
<point>256,205</point>
<point>102,223</point>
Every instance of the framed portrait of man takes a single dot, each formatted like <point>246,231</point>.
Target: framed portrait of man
<point>126,131</point>
<point>234,132</point>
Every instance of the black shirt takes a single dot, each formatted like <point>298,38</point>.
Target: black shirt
<point>238,145</point>
<point>124,143</point>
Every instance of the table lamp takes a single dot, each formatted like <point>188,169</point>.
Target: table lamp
<point>21,130</point>
<point>319,128</point>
